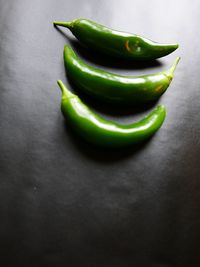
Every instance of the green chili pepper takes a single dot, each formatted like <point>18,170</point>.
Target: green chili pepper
<point>116,88</point>
<point>95,129</point>
<point>115,43</point>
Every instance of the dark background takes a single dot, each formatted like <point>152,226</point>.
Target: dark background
<point>66,203</point>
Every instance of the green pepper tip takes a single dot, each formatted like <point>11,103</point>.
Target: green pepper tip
<point>170,72</point>
<point>67,24</point>
<point>65,92</point>
<point>61,85</point>
<point>176,46</point>
<point>161,107</point>
<point>174,65</point>
<point>59,82</point>
<point>66,46</point>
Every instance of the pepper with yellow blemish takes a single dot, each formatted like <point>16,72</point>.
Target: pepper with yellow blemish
<point>116,88</point>
<point>116,43</point>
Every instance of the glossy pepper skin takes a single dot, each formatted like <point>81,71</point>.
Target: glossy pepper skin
<point>99,131</point>
<point>115,43</point>
<point>116,88</point>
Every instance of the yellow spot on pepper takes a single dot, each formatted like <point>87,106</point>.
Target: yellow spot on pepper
<point>158,88</point>
<point>127,46</point>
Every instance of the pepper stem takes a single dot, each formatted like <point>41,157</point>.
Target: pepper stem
<point>63,24</point>
<point>170,72</point>
<point>65,92</point>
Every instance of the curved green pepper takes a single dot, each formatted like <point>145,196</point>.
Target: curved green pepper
<point>116,88</point>
<point>115,43</point>
<point>94,129</point>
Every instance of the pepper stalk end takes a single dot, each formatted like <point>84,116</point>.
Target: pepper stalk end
<point>170,72</point>
<point>65,92</point>
<point>67,24</point>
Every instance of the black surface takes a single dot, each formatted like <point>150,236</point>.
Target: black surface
<point>64,203</point>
